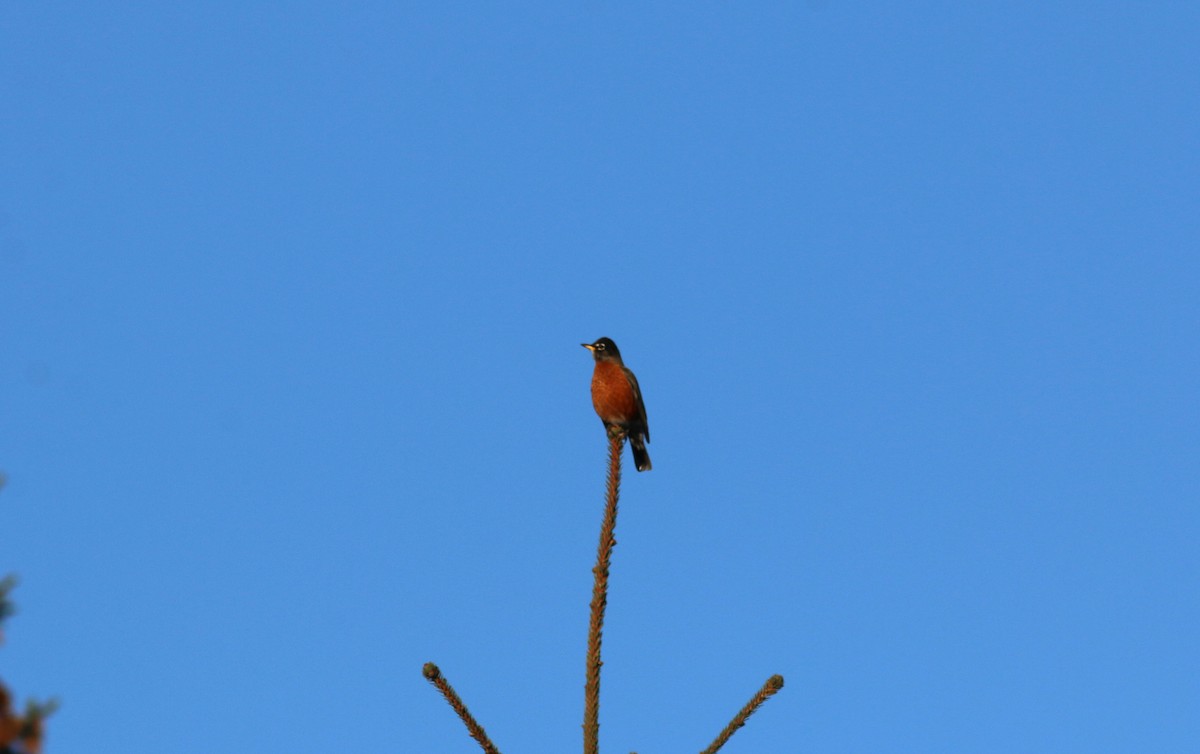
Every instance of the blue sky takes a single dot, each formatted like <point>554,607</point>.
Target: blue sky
<point>292,401</point>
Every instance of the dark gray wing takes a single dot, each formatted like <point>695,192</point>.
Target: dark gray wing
<point>637,393</point>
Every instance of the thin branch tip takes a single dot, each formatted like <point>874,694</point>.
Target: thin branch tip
<point>773,684</point>
<point>431,672</point>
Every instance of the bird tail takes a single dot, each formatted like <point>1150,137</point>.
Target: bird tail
<point>641,459</point>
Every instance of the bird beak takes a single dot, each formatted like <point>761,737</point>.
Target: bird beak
<point>588,346</point>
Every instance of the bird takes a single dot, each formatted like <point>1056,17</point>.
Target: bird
<point>618,399</point>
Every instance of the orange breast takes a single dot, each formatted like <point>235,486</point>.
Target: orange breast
<point>612,395</point>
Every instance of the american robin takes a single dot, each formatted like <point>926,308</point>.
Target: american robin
<point>618,399</point>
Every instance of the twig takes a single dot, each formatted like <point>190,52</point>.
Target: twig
<point>433,674</point>
<point>591,689</point>
<point>773,684</point>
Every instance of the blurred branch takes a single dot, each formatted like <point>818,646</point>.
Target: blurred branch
<point>7,608</point>
<point>433,674</point>
<point>20,734</point>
